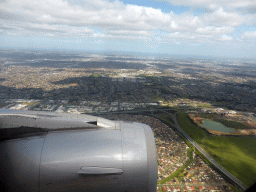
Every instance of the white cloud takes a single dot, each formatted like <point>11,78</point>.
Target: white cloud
<point>45,29</point>
<point>103,14</point>
<point>249,35</point>
<point>178,35</point>
<point>222,18</point>
<point>211,30</point>
<point>117,20</point>
<point>214,4</point>
<point>128,33</point>
<point>187,22</point>
<point>99,35</point>
<point>195,38</point>
<point>226,38</point>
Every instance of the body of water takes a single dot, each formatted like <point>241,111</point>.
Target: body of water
<point>216,126</point>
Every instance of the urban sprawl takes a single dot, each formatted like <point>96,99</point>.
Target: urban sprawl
<point>103,85</point>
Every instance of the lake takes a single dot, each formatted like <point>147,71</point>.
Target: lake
<point>216,126</point>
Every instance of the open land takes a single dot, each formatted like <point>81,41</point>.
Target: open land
<point>236,154</point>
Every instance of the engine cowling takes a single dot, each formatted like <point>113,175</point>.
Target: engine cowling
<point>97,159</point>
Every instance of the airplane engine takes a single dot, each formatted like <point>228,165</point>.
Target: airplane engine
<point>99,156</point>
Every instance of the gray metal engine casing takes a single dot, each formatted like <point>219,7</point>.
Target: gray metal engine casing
<point>97,159</point>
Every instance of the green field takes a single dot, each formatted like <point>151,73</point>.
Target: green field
<point>191,129</point>
<point>165,117</point>
<point>236,154</point>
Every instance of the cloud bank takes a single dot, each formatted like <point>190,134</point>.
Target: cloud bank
<point>100,19</point>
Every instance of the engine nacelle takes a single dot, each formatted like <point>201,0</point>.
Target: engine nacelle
<point>86,159</point>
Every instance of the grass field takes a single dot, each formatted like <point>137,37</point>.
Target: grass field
<point>236,154</point>
<point>165,117</point>
<point>191,128</point>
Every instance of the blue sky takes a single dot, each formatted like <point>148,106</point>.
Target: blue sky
<point>189,27</point>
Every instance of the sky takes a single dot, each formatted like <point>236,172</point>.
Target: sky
<point>184,27</point>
